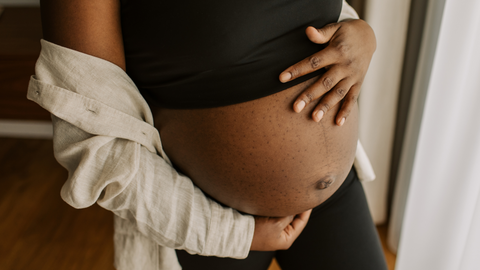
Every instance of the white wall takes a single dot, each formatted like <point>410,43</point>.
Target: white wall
<point>19,2</point>
<point>379,97</point>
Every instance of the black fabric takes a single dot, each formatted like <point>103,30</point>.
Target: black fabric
<point>340,235</point>
<point>210,53</point>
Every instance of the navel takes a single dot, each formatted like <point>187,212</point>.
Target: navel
<point>325,182</point>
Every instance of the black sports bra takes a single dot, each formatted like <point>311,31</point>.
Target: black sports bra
<point>211,53</point>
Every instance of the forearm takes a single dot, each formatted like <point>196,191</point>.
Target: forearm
<point>137,185</point>
<point>102,139</point>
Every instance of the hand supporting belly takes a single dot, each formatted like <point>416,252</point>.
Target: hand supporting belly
<point>260,157</point>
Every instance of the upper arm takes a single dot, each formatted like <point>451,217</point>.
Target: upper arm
<point>89,26</point>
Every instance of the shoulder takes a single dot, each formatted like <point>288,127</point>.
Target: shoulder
<point>91,27</point>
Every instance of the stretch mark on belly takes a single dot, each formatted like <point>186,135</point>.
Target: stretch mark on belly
<point>325,142</point>
<point>325,182</point>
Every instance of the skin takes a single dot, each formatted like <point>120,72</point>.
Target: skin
<point>351,44</point>
<point>93,27</point>
<point>260,157</point>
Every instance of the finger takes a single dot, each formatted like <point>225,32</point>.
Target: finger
<point>321,59</point>
<point>300,220</point>
<point>348,104</point>
<point>318,88</point>
<point>330,99</point>
<point>284,221</point>
<point>294,229</point>
<point>322,35</point>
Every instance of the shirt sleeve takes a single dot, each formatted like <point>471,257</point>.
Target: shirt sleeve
<point>103,136</point>
<point>347,12</point>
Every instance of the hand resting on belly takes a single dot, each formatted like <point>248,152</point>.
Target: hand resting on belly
<point>260,157</point>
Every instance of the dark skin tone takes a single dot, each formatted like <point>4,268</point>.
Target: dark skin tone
<point>260,157</point>
<point>351,44</point>
<point>93,27</point>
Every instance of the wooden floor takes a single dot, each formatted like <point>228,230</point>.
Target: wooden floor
<point>38,230</point>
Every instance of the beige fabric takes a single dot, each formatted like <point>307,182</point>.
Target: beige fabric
<point>104,137</point>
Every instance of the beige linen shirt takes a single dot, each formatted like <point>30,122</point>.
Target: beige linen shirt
<point>104,136</point>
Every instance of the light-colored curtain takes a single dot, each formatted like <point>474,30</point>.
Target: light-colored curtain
<point>378,100</point>
<point>440,162</point>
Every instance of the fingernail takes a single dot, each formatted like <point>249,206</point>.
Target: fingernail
<point>342,121</point>
<point>300,105</point>
<point>319,115</point>
<point>285,77</point>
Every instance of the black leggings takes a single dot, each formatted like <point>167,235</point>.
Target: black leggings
<point>340,235</point>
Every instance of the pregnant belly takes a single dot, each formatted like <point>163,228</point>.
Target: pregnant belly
<point>261,157</point>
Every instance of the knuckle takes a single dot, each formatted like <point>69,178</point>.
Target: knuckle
<point>295,71</point>
<point>314,62</point>
<point>325,107</point>
<point>347,111</point>
<point>342,48</point>
<point>340,92</point>
<point>328,83</point>
<point>308,97</point>
<point>354,99</point>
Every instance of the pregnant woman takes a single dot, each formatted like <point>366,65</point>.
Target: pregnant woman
<point>237,116</point>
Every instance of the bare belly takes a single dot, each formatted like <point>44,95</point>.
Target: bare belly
<point>261,157</point>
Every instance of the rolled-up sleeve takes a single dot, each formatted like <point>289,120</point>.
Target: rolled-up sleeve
<point>103,136</point>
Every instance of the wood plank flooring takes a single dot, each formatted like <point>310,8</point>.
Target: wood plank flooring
<point>39,231</point>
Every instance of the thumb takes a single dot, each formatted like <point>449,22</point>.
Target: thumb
<point>322,35</point>
<point>300,220</point>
